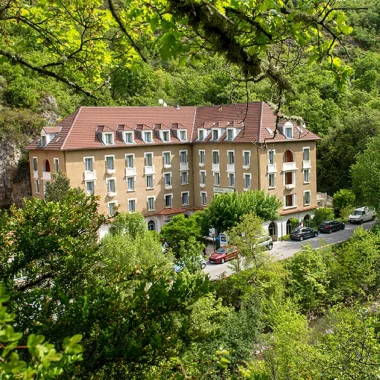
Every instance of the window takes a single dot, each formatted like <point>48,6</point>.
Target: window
<point>110,164</point>
<point>148,136</point>
<point>202,174</point>
<point>183,135</point>
<point>56,164</point>
<point>185,198</point>
<point>289,178</point>
<point>131,183</point>
<point>149,181</point>
<point>183,156</point>
<point>108,138</point>
<point>271,178</point>
<point>271,156</point>
<point>247,181</point>
<point>168,179</point>
<point>132,205</point>
<point>306,197</point>
<point>184,178</point>
<point>129,160</point>
<point>215,157</point>
<point>89,163</point>
<point>151,225</point>
<point>128,137</point>
<point>203,198</point>
<point>216,178</point>
<point>168,200</point>
<point>215,134</point>
<point>165,136</point>
<point>289,200</point>
<point>289,132</point>
<point>111,208</point>
<point>151,203</point>
<point>230,134</point>
<point>43,141</point>
<point>231,179</point>
<point>111,185</point>
<point>166,158</point>
<point>231,157</point>
<point>246,158</point>
<point>306,175</point>
<point>35,163</point>
<point>90,187</point>
<point>306,154</point>
<point>202,157</point>
<point>37,185</point>
<point>201,134</point>
<point>148,159</point>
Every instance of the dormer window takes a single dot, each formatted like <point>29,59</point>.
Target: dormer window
<point>128,138</point>
<point>288,130</point>
<point>215,134</point>
<point>201,134</point>
<point>230,134</point>
<point>148,136</point>
<point>165,136</point>
<point>183,134</point>
<point>43,141</point>
<point>108,138</point>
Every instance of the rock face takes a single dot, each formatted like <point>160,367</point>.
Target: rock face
<point>14,175</point>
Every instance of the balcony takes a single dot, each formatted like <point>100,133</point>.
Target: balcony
<point>111,171</point>
<point>130,171</point>
<point>184,166</point>
<point>272,168</point>
<point>111,194</point>
<point>203,185</point>
<point>290,186</point>
<point>306,164</point>
<point>289,166</point>
<point>148,170</point>
<point>35,174</point>
<point>231,168</point>
<point>46,176</point>
<point>167,166</point>
<point>89,175</point>
<point>246,167</point>
<point>215,167</point>
<point>168,187</point>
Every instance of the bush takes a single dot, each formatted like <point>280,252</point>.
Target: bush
<point>285,237</point>
<point>343,201</point>
<point>321,214</point>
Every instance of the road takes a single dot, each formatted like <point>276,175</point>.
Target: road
<point>284,249</point>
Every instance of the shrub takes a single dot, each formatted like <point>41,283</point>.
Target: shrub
<point>343,201</point>
<point>322,214</point>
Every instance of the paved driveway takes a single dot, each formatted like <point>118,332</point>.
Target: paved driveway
<point>284,249</point>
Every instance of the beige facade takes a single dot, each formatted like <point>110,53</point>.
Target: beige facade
<point>163,179</point>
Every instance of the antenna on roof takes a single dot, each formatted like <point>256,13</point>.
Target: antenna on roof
<point>162,102</point>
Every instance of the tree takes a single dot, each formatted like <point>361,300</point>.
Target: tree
<point>226,210</point>
<point>57,188</point>
<point>366,174</point>
<point>343,202</point>
<point>321,214</point>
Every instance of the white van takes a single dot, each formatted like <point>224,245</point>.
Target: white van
<point>362,214</point>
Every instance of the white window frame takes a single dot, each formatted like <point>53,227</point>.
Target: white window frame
<point>145,156</point>
<point>56,164</point>
<point>43,141</point>
<point>35,163</point>
<point>171,200</point>
<point>216,175</point>
<point>215,151</point>
<point>146,181</point>
<point>133,178</point>
<point>92,158</point>
<point>293,178</point>
<point>108,207</point>
<point>153,197</point>
<point>269,156</point>
<point>104,138</point>
<point>231,175</point>
<point>128,133</point>
<point>249,175</point>
<point>202,176</point>
<point>203,194</point>
<point>135,204</point>
<point>186,155</point>
<point>187,177</point>
<point>165,133</point>
<point>308,175</point>
<point>145,134</point>
<point>108,180</point>
<point>229,155</point>
<point>168,175</point>
<point>37,186</point>
<point>113,161</point>
<point>304,197</point>
<point>202,153</point>
<point>232,130</point>
<point>199,134</point>
<point>180,131</point>
<point>213,131</point>
<point>294,201</point>
<point>306,148</point>
<point>188,198</point>
<point>165,154</point>
<point>288,130</point>
<point>272,175</point>
<point>93,183</point>
<point>133,160</point>
<point>245,165</point>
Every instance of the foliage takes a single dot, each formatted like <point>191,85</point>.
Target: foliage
<point>226,210</point>
<point>131,225</point>
<point>365,178</point>
<point>321,214</point>
<point>342,200</point>
<point>57,188</point>
<point>45,361</point>
<point>189,254</point>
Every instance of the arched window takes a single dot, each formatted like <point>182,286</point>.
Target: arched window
<point>289,227</point>
<point>46,166</point>
<point>272,229</point>
<point>306,221</point>
<point>152,225</point>
<point>288,156</point>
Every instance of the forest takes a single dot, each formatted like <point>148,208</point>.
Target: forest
<point>116,309</point>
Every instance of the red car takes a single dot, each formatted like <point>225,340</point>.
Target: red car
<point>223,254</point>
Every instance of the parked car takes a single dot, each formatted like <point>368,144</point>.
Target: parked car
<point>264,242</point>
<point>362,214</point>
<point>303,233</point>
<point>330,226</point>
<point>179,267</point>
<point>221,255</point>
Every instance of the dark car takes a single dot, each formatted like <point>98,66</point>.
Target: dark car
<point>223,254</point>
<point>330,226</point>
<point>303,233</point>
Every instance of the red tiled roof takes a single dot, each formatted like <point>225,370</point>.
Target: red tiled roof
<point>292,211</point>
<point>171,211</point>
<point>80,129</point>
